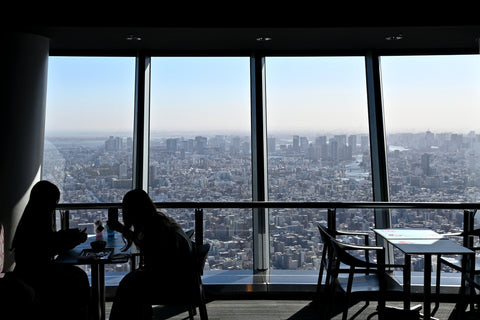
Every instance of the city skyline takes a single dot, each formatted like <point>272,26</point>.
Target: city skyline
<point>189,172</point>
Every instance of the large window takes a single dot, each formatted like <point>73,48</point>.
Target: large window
<point>318,149</point>
<point>89,126</point>
<point>432,107</point>
<point>89,134</point>
<point>317,139</point>
<point>200,148</point>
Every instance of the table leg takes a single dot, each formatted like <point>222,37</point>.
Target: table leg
<point>467,284</point>
<point>98,290</point>
<point>407,283</point>
<point>427,286</point>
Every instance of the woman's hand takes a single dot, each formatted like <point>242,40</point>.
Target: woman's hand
<point>115,225</point>
<point>78,236</point>
<point>70,238</point>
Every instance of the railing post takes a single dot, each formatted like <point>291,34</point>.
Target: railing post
<point>331,220</point>
<point>65,219</point>
<point>468,226</point>
<point>199,227</point>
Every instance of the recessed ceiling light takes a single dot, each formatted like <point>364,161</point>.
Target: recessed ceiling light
<point>394,37</point>
<point>132,37</point>
<point>264,39</point>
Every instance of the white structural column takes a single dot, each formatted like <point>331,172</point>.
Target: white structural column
<point>23,69</point>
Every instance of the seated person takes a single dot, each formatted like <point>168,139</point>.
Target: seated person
<point>59,287</point>
<point>166,252</point>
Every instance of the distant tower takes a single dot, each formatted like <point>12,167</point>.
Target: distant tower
<point>172,145</point>
<point>113,144</point>
<point>333,149</point>
<point>426,164</point>
<point>304,143</point>
<point>296,143</point>
<point>200,144</point>
<point>352,142</point>
<point>235,146</point>
<point>429,139</point>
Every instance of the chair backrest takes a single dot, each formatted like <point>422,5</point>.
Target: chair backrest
<point>324,234</point>
<point>326,239</point>
<point>199,254</point>
<point>342,253</point>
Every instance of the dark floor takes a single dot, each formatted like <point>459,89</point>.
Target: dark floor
<point>266,309</point>
<point>288,296</point>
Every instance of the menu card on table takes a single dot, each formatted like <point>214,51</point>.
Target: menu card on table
<point>408,233</point>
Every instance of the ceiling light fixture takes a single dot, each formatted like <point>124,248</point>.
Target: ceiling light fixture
<point>132,37</point>
<point>264,39</point>
<point>394,37</point>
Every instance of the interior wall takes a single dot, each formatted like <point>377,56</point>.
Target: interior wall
<point>24,67</point>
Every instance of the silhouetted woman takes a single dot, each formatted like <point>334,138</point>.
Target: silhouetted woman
<point>61,291</point>
<point>166,252</point>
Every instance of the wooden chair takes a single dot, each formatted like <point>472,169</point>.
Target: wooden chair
<point>366,281</point>
<point>327,252</point>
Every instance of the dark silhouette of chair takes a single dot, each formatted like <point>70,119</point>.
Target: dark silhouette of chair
<point>16,297</point>
<point>456,263</point>
<point>193,295</point>
<point>366,281</point>
<point>2,250</point>
<point>136,259</point>
<point>327,252</point>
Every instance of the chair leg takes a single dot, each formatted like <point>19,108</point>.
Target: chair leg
<point>347,296</point>
<point>437,286</point>
<point>322,267</point>
<point>203,311</point>
<point>330,298</point>
<point>191,312</point>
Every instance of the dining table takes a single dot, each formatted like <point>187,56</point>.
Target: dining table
<point>424,242</point>
<point>83,254</point>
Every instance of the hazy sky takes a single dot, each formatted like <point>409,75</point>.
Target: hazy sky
<point>312,94</point>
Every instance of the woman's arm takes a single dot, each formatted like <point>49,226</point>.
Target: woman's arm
<point>128,234</point>
<point>67,239</point>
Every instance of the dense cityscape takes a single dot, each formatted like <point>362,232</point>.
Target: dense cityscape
<point>422,167</point>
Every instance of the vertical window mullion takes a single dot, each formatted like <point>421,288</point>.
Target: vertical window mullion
<point>261,259</point>
<point>141,129</point>
<point>377,130</point>
<point>378,145</point>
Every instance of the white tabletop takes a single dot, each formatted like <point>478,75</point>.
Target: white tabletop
<point>430,246</point>
<point>421,241</point>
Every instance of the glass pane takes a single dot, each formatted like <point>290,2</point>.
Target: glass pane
<point>318,149</point>
<point>200,147</point>
<point>318,140</point>
<point>432,107</point>
<point>89,128</point>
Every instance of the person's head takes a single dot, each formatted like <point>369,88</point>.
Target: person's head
<point>136,207</point>
<point>44,194</point>
<point>40,209</point>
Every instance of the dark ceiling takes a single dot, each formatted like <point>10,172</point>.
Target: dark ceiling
<point>235,30</point>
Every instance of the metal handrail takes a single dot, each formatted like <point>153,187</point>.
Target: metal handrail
<point>330,206</point>
<point>287,204</point>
